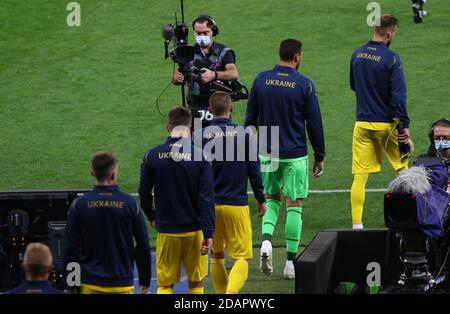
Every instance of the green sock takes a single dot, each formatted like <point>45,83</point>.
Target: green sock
<point>293,229</point>
<point>270,218</point>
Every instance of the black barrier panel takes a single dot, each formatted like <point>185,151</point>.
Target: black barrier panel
<point>336,256</point>
<point>355,250</point>
<point>27,216</point>
<point>315,264</point>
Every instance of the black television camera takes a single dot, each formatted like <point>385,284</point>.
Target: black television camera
<point>183,55</point>
<point>424,254</point>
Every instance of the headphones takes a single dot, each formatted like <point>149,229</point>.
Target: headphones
<point>211,23</point>
<point>431,131</point>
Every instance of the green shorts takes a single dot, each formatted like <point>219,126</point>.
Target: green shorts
<point>289,175</point>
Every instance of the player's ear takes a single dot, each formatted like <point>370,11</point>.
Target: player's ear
<point>231,108</point>
<point>388,35</point>
<point>298,57</point>
<point>114,175</point>
<point>92,173</point>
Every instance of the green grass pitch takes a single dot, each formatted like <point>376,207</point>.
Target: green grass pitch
<point>67,92</point>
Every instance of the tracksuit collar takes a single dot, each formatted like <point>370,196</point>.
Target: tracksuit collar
<point>109,188</point>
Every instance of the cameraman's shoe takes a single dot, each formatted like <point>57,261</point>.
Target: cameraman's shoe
<point>265,264</point>
<point>418,12</point>
<point>289,270</point>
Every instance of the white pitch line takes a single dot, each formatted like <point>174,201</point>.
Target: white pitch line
<point>320,191</point>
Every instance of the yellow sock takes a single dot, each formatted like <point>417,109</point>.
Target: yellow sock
<point>238,276</point>
<point>219,275</point>
<point>198,290</point>
<point>164,290</point>
<point>358,195</point>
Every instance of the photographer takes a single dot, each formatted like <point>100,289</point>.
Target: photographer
<point>216,63</point>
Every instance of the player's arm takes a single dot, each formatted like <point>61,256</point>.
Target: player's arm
<point>398,91</point>
<point>251,116</point>
<point>314,128</point>
<point>146,188</point>
<point>254,173</point>
<point>142,250</point>
<point>206,204</point>
<point>352,79</point>
<point>72,239</point>
<point>72,235</point>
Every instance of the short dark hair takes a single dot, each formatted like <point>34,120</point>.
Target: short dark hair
<point>288,49</point>
<point>444,123</point>
<point>179,116</point>
<point>219,103</point>
<point>201,19</point>
<point>386,23</point>
<point>103,164</point>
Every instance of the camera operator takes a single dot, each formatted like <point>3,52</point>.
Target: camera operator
<point>435,224</point>
<point>439,136</point>
<point>216,62</point>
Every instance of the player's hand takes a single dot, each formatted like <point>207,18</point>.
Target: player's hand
<point>153,224</point>
<point>178,78</point>
<point>318,169</point>
<point>261,209</point>
<point>206,246</point>
<point>404,137</point>
<point>208,75</point>
<point>144,290</point>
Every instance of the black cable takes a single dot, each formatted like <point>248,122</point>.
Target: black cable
<point>443,264</point>
<point>162,93</point>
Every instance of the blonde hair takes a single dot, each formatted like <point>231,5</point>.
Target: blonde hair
<point>37,259</point>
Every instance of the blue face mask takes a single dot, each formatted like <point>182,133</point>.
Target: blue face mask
<point>442,145</point>
<point>203,41</point>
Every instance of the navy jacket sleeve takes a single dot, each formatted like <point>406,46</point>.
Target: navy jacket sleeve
<point>206,200</point>
<point>253,169</point>
<point>146,188</point>
<point>251,117</point>
<point>142,250</point>
<point>314,124</point>
<point>398,91</point>
<point>352,79</point>
<point>72,235</point>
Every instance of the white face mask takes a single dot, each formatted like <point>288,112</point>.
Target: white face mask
<point>442,145</point>
<point>203,41</point>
